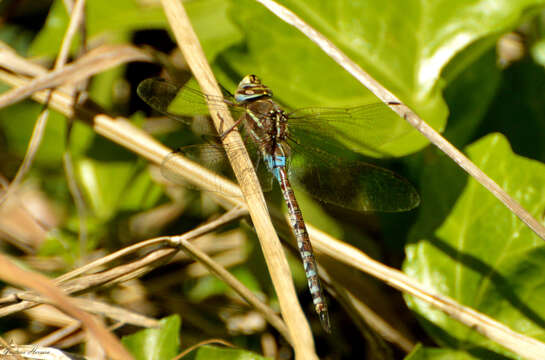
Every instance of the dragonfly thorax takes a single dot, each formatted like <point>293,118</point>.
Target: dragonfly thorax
<point>250,88</point>
<point>267,124</point>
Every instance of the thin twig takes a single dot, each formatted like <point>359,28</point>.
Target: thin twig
<point>202,343</point>
<point>57,335</point>
<point>41,123</point>
<point>137,268</point>
<point>382,327</point>
<point>70,284</point>
<point>175,241</point>
<point>77,21</point>
<point>100,308</point>
<point>76,18</point>
<point>112,276</point>
<point>30,154</point>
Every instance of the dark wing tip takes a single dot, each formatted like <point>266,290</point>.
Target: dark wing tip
<point>157,92</point>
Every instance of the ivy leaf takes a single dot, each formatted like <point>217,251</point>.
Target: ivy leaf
<point>469,246</point>
<point>426,353</point>
<point>213,352</point>
<point>114,182</point>
<point>156,344</point>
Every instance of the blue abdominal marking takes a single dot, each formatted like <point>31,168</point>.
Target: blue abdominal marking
<point>274,162</point>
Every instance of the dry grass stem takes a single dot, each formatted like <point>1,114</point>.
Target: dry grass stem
<point>57,335</point>
<point>94,62</point>
<point>137,268</point>
<point>99,308</point>
<point>274,256</point>
<point>77,13</point>
<point>109,277</point>
<point>75,281</point>
<point>236,285</point>
<point>15,275</point>
<point>377,323</point>
<point>11,61</point>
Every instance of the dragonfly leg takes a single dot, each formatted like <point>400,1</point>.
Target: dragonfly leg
<point>223,134</point>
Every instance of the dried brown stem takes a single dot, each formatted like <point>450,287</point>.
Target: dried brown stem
<point>242,166</point>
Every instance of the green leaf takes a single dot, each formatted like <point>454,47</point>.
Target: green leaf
<point>61,243</point>
<point>425,353</point>
<point>538,52</point>
<point>112,19</point>
<point>102,89</point>
<point>469,246</point>
<point>112,185</point>
<point>49,39</point>
<point>208,286</point>
<point>156,344</point>
<point>103,183</point>
<point>17,37</point>
<point>215,30</point>
<point>17,122</point>
<point>208,352</point>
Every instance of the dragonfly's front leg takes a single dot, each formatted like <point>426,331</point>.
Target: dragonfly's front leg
<point>223,134</point>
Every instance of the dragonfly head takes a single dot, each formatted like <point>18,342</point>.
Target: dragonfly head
<point>251,88</point>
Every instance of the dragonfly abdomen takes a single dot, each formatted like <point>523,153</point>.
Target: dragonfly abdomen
<point>277,164</point>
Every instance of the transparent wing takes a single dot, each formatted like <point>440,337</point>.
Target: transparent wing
<point>214,158</point>
<point>365,128</point>
<point>349,183</point>
<point>177,102</point>
<point>363,114</point>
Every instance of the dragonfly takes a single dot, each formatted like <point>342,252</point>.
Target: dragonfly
<point>278,137</point>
